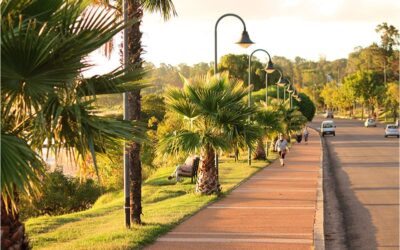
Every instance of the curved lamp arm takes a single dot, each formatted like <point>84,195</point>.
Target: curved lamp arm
<point>250,57</point>
<point>244,35</point>
<point>281,75</point>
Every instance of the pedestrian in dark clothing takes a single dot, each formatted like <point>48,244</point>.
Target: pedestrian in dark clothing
<point>305,134</point>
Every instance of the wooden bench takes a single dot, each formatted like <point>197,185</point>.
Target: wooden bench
<point>193,174</point>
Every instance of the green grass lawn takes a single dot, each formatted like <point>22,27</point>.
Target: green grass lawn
<point>165,204</point>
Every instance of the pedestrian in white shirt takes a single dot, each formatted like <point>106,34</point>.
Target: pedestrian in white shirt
<point>281,146</point>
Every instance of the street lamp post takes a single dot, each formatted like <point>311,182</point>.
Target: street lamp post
<point>290,90</point>
<point>282,82</point>
<point>295,95</point>
<point>268,69</point>
<point>244,42</point>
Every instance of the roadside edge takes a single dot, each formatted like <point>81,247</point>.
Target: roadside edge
<point>319,235</point>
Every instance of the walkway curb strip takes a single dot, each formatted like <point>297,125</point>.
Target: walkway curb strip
<point>319,238</point>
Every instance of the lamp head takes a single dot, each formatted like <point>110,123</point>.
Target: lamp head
<point>282,82</point>
<point>290,88</point>
<point>245,41</point>
<point>270,67</point>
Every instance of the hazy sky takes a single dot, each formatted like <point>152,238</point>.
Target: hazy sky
<point>305,28</point>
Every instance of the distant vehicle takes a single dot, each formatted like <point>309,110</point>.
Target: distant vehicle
<point>370,122</point>
<point>392,130</point>
<point>329,114</point>
<point>328,127</point>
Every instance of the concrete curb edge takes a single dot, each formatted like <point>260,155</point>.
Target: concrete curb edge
<point>319,236</point>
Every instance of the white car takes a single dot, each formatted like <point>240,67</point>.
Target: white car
<point>370,123</point>
<point>328,127</point>
<point>392,130</point>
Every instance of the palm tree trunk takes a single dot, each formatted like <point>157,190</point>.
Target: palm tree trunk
<point>12,230</point>
<point>135,10</point>
<point>207,182</point>
<point>260,154</point>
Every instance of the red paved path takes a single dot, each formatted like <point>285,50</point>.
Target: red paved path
<point>275,209</point>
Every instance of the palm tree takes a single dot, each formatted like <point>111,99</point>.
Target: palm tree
<point>219,113</point>
<point>270,120</point>
<point>135,11</point>
<point>44,96</point>
<point>292,119</point>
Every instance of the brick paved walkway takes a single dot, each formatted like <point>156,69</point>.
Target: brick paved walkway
<point>275,209</point>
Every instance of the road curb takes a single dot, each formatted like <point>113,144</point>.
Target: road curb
<point>319,236</point>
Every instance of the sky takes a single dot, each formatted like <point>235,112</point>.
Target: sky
<point>289,28</point>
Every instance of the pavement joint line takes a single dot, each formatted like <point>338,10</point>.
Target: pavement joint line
<point>285,178</point>
<point>289,170</point>
<point>276,189</point>
<point>263,207</point>
<point>229,240</point>
<point>244,233</point>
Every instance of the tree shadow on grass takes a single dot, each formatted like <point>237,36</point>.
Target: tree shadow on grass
<point>51,223</point>
<point>163,195</point>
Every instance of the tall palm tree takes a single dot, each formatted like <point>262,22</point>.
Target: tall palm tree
<point>135,11</point>
<point>219,113</point>
<point>44,96</point>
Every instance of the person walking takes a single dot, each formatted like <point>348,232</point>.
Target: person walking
<point>281,146</point>
<point>305,134</point>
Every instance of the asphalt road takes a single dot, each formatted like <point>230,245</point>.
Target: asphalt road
<point>366,175</point>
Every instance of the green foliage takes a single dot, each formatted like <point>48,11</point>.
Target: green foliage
<point>165,204</point>
<point>60,195</point>
<point>305,106</point>
<point>238,65</point>
<point>44,45</point>
<point>217,115</point>
<point>368,86</point>
<point>269,118</point>
<point>172,122</point>
<point>153,105</point>
<point>389,36</point>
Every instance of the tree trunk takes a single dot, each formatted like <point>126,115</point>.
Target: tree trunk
<point>259,154</point>
<point>362,111</point>
<point>207,182</point>
<point>12,230</point>
<point>135,10</point>
<point>236,154</point>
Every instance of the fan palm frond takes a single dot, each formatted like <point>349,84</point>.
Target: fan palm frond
<point>20,168</point>
<point>165,7</point>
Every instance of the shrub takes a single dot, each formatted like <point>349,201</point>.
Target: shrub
<point>306,106</point>
<point>60,195</point>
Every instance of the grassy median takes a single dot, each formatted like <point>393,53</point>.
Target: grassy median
<point>165,204</point>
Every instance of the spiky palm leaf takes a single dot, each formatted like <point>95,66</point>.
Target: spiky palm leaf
<point>43,48</point>
<point>221,119</point>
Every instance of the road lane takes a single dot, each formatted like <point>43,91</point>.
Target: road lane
<point>366,167</point>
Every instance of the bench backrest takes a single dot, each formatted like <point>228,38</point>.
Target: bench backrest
<point>196,164</point>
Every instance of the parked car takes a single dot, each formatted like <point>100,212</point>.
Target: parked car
<point>392,130</point>
<point>329,114</point>
<point>370,122</point>
<point>328,127</point>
